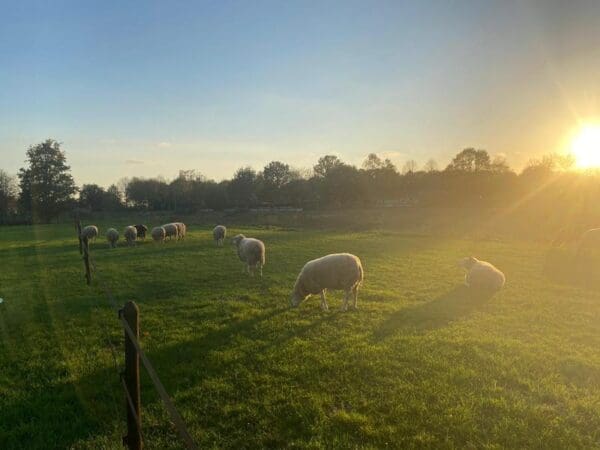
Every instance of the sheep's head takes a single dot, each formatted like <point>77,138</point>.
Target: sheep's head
<point>296,299</point>
<point>467,263</point>
<point>237,239</point>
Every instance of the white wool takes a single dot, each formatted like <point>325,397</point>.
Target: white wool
<point>158,234</point>
<point>251,251</point>
<point>219,233</point>
<point>482,274</point>
<point>130,235</point>
<point>112,236</point>
<point>338,271</point>
<point>171,230</point>
<point>90,232</point>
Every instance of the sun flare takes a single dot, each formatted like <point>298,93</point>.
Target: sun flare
<point>586,147</point>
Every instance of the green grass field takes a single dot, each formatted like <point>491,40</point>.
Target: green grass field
<point>420,364</point>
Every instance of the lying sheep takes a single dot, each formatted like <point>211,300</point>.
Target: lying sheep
<point>171,231</point>
<point>181,229</point>
<point>112,236</point>
<point>219,233</point>
<point>339,271</point>
<point>482,275</point>
<point>158,234</point>
<point>141,230</point>
<point>90,232</point>
<point>251,251</point>
<point>589,242</point>
<point>130,234</point>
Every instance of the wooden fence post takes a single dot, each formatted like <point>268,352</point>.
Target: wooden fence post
<point>86,259</point>
<point>133,440</point>
<point>78,226</point>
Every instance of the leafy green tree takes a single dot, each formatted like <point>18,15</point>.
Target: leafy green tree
<point>325,164</point>
<point>8,193</point>
<point>92,196</point>
<point>243,187</point>
<point>47,187</point>
<point>470,160</point>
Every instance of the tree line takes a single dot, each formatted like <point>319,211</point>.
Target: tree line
<point>45,189</point>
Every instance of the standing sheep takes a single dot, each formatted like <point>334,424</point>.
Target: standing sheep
<point>181,229</point>
<point>141,230</point>
<point>112,236</point>
<point>158,234</point>
<point>482,275</point>
<point>251,251</point>
<point>589,242</point>
<point>90,232</point>
<point>339,271</point>
<point>130,234</point>
<point>171,231</point>
<point>219,233</point>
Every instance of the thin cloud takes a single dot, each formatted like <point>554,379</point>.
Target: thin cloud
<point>164,144</point>
<point>134,161</point>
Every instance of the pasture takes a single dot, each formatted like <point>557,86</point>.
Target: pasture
<point>420,364</point>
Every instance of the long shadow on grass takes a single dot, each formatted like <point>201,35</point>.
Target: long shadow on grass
<point>564,267</point>
<point>440,312</point>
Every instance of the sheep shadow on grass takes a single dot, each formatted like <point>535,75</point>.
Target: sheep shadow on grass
<point>456,304</point>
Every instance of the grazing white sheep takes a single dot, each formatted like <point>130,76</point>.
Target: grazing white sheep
<point>90,232</point>
<point>171,230</point>
<point>251,251</point>
<point>339,271</point>
<point>181,229</point>
<point>482,275</point>
<point>590,242</point>
<point>159,233</point>
<point>130,234</point>
<point>112,236</point>
<point>219,233</point>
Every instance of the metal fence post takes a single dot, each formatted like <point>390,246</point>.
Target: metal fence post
<point>78,226</point>
<point>133,440</point>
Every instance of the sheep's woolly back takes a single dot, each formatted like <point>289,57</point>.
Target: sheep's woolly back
<point>91,231</point>
<point>484,275</point>
<point>158,233</point>
<point>112,235</point>
<point>338,271</point>
<point>181,229</point>
<point>250,250</point>
<point>130,233</point>
<point>219,232</point>
<point>171,230</point>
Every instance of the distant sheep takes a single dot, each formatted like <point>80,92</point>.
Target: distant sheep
<point>482,275</point>
<point>219,233</point>
<point>171,230</point>
<point>181,229</point>
<point>130,235</point>
<point>251,251</point>
<point>90,232</point>
<point>339,271</point>
<point>589,242</point>
<point>112,236</point>
<point>159,234</point>
<point>141,231</point>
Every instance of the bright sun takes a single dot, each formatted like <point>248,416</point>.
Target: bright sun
<point>586,147</point>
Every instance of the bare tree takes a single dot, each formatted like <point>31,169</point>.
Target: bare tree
<point>431,165</point>
<point>410,166</point>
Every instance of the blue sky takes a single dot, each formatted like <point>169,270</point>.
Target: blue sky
<point>148,88</point>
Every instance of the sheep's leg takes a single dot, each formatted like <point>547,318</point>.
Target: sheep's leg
<point>346,295</point>
<point>324,305</point>
<point>260,267</point>
<point>355,294</point>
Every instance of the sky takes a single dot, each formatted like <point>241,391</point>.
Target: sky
<point>149,88</point>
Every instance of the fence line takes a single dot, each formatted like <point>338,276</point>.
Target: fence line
<point>131,337</point>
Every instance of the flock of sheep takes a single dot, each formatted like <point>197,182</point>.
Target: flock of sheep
<point>339,271</point>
